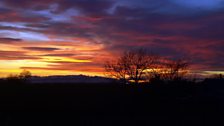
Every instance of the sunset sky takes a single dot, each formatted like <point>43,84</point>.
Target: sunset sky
<point>64,37</point>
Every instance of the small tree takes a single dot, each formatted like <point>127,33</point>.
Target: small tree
<point>19,78</point>
<point>131,65</point>
<point>25,74</point>
<point>176,69</point>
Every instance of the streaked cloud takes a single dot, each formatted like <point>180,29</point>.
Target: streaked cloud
<point>41,48</point>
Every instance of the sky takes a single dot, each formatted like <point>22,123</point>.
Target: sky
<point>64,37</point>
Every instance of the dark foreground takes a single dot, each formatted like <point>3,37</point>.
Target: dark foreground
<point>112,105</point>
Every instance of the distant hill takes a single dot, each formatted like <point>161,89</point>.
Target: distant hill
<point>70,79</point>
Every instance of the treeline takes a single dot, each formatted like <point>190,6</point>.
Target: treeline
<point>22,77</point>
<point>140,66</point>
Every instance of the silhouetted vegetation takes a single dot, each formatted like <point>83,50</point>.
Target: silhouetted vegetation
<point>169,70</point>
<point>25,74</point>
<point>131,65</point>
<point>179,102</point>
<point>139,65</point>
<point>20,78</point>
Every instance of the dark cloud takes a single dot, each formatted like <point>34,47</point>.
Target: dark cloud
<point>25,4</point>
<point>16,55</point>
<point>60,55</point>
<point>41,48</point>
<point>40,68</point>
<point>90,67</point>
<point>9,40</point>
<point>10,15</point>
<point>93,7</point>
<point>89,7</point>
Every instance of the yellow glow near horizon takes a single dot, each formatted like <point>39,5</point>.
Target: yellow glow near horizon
<point>214,72</point>
<point>6,73</point>
<point>13,64</point>
<point>63,59</point>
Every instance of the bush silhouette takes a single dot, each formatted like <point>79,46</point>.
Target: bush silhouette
<point>20,78</point>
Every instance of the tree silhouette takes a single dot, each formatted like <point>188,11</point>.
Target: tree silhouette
<point>25,74</point>
<point>217,76</point>
<point>131,65</point>
<point>166,69</point>
<point>22,77</point>
<point>176,69</point>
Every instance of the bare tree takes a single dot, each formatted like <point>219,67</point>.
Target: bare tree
<point>131,65</point>
<point>116,70</point>
<point>176,69</point>
<point>166,69</point>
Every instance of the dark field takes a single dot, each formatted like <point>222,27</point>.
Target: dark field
<point>176,103</point>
